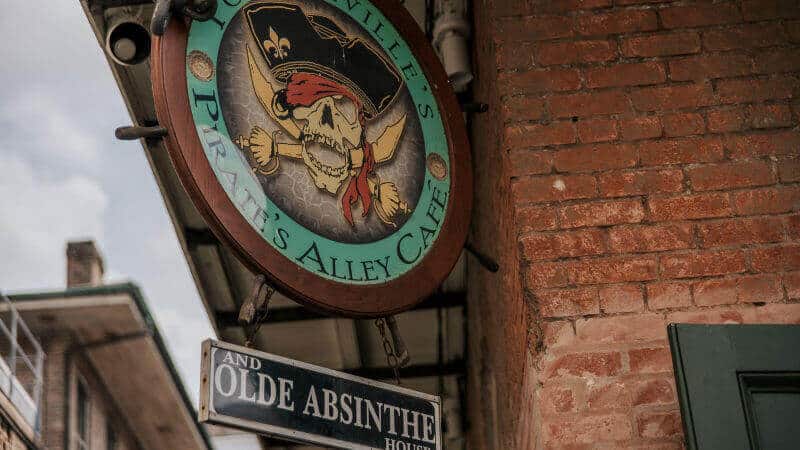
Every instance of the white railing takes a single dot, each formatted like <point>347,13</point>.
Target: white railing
<point>20,369</point>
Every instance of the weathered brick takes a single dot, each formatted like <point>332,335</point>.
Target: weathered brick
<point>515,56</point>
<point>586,104</point>
<point>597,130</point>
<point>775,259</point>
<point>789,169</point>
<point>681,151</point>
<point>650,360</point>
<point>586,429</point>
<point>710,177</point>
<point>591,157</point>
<point>697,206</point>
<point>569,5</point>
<point>764,144</point>
<point>664,295</point>
<point>793,227</point>
<point>777,61</point>
<point>538,81</point>
<point>546,275</point>
<point>755,89</point>
<point>631,74</point>
<point>759,288</point>
<point>601,213</point>
<point>532,28</point>
<point>621,298</point>
<point>776,313</point>
<point>715,292</point>
<point>720,315</point>
<point>751,35</point>
<point>575,52</point>
<point>568,302</point>
<point>539,246</point>
<point>672,97</point>
<point>611,270</point>
<point>609,396</point>
<point>661,45</point>
<point>530,162</point>
<point>621,329</point>
<point>770,9</point>
<point>640,128</point>
<point>522,109</point>
<point>600,364</point>
<point>650,238</point>
<point>707,66</point>
<point>756,230</point>
<point>636,182</point>
<point>793,30</point>
<point>769,116</point>
<point>537,135</point>
<point>767,200</point>
<point>556,399</point>
<point>553,188</point>
<point>557,333</point>
<point>701,264</point>
<point>722,121</point>
<point>616,22</point>
<point>658,424</point>
<point>683,124</point>
<point>791,282</point>
<point>536,218</point>
<point>653,392</point>
<point>698,15</point>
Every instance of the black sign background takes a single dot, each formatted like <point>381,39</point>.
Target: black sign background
<point>265,419</point>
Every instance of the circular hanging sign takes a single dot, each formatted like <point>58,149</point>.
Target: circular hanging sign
<point>321,140</point>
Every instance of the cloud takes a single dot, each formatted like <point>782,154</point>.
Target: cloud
<point>39,215</point>
<point>45,132</point>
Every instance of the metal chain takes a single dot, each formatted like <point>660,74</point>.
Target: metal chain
<point>391,356</point>
<point>267,291</point>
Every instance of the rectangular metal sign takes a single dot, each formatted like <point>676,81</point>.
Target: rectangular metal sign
<point>276,396</point>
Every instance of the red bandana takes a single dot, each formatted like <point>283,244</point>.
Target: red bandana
<point>304,89</point>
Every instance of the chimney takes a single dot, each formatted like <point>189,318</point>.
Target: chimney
<point>84,264</point>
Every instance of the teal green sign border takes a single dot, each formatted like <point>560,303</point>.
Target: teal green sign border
<point>363,264</point>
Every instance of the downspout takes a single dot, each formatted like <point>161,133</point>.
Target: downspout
<point>450,36</point>
<point>451,32</point>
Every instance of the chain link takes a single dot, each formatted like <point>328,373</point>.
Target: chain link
<point>391,356</point>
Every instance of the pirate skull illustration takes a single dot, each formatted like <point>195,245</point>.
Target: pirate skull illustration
<point>331,88</point>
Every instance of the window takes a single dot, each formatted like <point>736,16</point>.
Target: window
<point>83,416</point>
<point>111,437</point>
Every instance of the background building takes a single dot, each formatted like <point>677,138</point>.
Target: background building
<point>638,166</point>
<point>108,381</point>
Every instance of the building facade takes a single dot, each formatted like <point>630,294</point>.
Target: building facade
<point>638,166</point>
<point>108,381</point>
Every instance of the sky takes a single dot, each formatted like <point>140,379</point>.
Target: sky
<point>65,176</point>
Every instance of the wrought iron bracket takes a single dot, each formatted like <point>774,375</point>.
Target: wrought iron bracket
<point>486,261</point>
<point>131,133</point>
<point>164,10</point>
<point>399,345</point>
<point>256,304</point>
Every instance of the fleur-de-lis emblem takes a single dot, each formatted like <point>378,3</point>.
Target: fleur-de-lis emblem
<point>277,46</point>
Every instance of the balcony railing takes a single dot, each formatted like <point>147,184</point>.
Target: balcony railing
<point>21,364</point>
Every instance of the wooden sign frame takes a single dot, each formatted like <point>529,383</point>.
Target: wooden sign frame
<point>169,77</point>
<point>262,418</point>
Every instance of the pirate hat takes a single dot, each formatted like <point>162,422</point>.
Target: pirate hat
<point>293,42</point>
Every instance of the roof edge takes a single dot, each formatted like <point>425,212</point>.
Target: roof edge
<point>135,293</point>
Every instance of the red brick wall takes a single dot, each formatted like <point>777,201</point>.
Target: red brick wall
<point>650,154</point>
